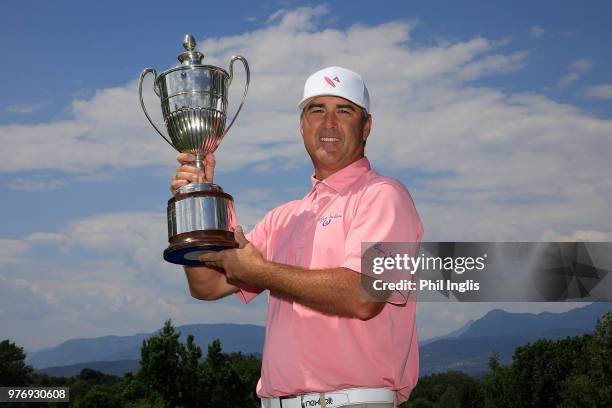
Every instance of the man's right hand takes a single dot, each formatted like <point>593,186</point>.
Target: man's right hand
<point>208,283</point>
<point>204,283</point>
<point>187,172</point>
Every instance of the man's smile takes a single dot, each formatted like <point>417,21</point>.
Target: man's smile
<point>329,139</point>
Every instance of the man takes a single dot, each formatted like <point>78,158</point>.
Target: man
<point>326,345</point>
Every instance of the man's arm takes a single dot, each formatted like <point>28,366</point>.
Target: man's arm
<point>207,283</point>
<point>335,291</point>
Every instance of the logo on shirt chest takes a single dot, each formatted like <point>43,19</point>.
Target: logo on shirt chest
<point>325,221</point>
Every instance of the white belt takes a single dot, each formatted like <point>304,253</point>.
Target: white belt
<point>333,399</point>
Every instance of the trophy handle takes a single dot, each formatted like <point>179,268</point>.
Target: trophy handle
<point>144,109</point>
<point>246,86</point>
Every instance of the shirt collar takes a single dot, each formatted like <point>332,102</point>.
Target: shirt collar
<point>344,177</point>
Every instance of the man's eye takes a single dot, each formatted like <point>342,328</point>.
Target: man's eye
<point>316,110</point>
<point>344,111</point>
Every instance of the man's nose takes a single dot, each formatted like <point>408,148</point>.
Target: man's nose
<point>330,121</point>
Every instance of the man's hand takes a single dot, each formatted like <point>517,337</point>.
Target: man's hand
<point>208,283</point>
<point>240,264</point>
<point>187,172</point>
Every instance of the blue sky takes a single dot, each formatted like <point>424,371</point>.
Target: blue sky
<point>59,50</point>
<point>496,115</point>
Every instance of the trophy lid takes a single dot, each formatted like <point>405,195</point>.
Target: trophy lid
<point>190,56</point>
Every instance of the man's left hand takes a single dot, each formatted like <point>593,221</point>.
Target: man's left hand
<point>240,264</point>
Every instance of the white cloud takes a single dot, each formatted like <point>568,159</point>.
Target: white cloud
<point>603,91</point>
<point>22,108</point>
<point>20,299</point>
<point>498,166</point>
<point>45,238</point>
<point>122,287</point>
<point>23,184</point>
<point>493,64</point>
<point>109,129</point>
<point>11,250</point>
<point>580,65</point>
<point>536,31</point>
<point>563,34</point>
<point>122,235</point>
<point>576,69</point>
<point>300,19</point>
<point>420,89</point>
<point>569,78</point>
<point>112,280</point>
<point>580,235</point>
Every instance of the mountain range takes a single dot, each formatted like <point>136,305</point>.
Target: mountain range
<point>469,348</point>
<point>78,353</point>
<point>466,349</point>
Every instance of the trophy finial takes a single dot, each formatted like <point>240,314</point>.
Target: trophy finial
<point>190,56</point>
<point>189,43</point>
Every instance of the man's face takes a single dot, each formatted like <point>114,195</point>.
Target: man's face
<point>334,133</point>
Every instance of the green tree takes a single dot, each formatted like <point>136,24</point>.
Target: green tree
<point>98,396</point>
<point>224,387</point>
<point>87,387</point>
<point>579,390</point>
<point>96,377</point>
<point>575,371</point>
<point>13,369</point>
<point>132,388</point>
<point>418,402</point>
<point>191,381</point>
<point>171,375</point>
<point>450,399</point>
<point>248,368</point>
<point>601,358</point>
<point>439,390</point>
<point>169,369</point>
<point>590,384</point>
<point>541,369</point>
<point>498,387</point>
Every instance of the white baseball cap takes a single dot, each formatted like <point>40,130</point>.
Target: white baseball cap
<point>336,81</point>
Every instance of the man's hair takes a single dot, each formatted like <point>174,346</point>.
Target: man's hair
<point>364,116</point>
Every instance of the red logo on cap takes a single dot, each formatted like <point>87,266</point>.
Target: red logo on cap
<point>331,82</point>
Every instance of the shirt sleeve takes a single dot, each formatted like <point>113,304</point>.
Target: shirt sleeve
<point>385,213</point>
<point>258,236</point>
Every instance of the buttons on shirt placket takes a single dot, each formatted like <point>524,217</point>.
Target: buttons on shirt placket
<point>315,204</point>
<point>310,225</point>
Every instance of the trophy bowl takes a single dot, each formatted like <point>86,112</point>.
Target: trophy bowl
<point>194,103</point>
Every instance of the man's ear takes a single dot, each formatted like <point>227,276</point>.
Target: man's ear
<point>367,126</point>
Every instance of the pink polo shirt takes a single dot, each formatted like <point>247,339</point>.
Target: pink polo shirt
<point>308,351</point>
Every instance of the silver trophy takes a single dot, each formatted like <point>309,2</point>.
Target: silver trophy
<point>194,104</point>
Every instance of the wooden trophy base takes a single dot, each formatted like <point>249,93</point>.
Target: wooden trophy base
<point>185,249</point>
